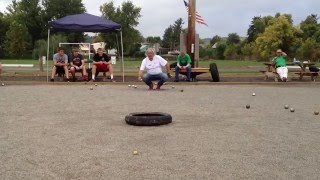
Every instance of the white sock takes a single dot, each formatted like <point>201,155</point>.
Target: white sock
<point>111,75</point>
<point>93,77</point>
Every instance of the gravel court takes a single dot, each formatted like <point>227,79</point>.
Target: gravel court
<point>71,132</point>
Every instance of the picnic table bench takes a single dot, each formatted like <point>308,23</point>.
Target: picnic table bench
<point>301,69</point>
<point>198,71</point>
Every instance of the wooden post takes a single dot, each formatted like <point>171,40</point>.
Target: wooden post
<point>191,31</point>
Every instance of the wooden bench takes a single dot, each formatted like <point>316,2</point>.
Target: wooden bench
<point>313,75</point>
<point>194,72</point>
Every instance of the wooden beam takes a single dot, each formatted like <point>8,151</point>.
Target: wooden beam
<point>191,39</point>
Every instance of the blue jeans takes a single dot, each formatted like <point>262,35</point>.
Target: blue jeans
<point>148,78</point>
<point>188,73</point>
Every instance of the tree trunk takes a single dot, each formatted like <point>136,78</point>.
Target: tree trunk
<point>41,64</point>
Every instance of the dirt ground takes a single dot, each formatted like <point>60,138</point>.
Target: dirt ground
<point>71,132</point>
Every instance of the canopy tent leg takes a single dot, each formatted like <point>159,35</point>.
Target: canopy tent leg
<point>48,49</point>
<point>122,59</point>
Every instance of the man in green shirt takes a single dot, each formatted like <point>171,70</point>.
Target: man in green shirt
<point>183,62</point>
<point>280,65</point>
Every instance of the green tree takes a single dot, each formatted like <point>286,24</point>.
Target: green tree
<point>280,34</point>
<point>171,37</point>
<point>55,9</point>
<point>40,50</point>
<point>215,39</point>
<point>309,50</point>
<point>257,27</point>
<point>128,16</point>
<point>233,38</point>
<point>168,38</point>
<point>4,27</point>
<point>310,26</point>
<point>29,13</point>
<point>220,49</point>
<point>17,40</point>
<point>153,40</point>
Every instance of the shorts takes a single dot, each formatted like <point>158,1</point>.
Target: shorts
<point>80,70</point>
<point>102,67</point>
<point>60,70</point>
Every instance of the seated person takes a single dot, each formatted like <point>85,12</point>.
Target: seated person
<point>77,64</point>
<point>153,64</point>
<point>102,63</point>
<point>183,62</point>
<point>280,65</point>
<point>60,61</point>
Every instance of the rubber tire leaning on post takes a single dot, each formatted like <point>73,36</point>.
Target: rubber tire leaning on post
<point>148,119</point>
<point>214,72</point>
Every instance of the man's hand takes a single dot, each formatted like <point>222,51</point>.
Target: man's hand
<point>169,75</point>
<point>139,79</point>
<point>180,67</point>
<point>77,67</point>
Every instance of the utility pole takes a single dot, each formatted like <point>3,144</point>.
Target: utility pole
<point>191,38</point>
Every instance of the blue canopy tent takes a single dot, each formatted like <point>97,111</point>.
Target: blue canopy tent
<point>84,23</point>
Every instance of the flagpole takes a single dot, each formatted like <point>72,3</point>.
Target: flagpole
<point>191,31</point>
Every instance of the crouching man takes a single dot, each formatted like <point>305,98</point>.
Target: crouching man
<point>153,65</point>
<point>77,64</point>
<point>60,64</point>
<point>280,65</point>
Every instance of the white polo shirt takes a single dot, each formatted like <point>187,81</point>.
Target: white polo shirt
<point>155,66</point>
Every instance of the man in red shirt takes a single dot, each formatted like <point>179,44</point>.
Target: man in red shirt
<point>102,63</point>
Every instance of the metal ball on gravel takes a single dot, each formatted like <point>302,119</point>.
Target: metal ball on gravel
<point>173,87</point>
<point>129,85</point>
<point>96,84</point>
<point>253,94</point>
<point>248,106</point>
<point>182,90</point>
<point>292,110</point>
<point>135,153</point>
<point>2,84</point>
<point>135,87</point>
<point>316,113</point>
<point>286,107</point>
<point>91,88</point>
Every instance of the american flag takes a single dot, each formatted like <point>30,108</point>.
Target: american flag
<point>199,19</point>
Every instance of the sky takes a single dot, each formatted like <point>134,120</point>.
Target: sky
<point>222,16</point>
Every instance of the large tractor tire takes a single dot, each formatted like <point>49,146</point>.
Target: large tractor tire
<point>214,72</point>
<point>148,119</point>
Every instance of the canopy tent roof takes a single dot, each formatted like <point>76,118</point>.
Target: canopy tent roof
<point>84,23</point>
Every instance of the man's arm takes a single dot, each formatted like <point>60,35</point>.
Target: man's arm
<point>168,70</point>
<point>140,75</point>
<point>178,62</point>
<point>284,54</point>
<point>189,61</point>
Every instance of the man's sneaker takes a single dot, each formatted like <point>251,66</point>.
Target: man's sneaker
<point>74,79</point>
<point>67,79</point>
<point>113,80</point>
<point>52,80</point>
<point>188,80</point>
<point>158,88</point>
<point>176,80</point>
<point>92,80</point>
<point>285,80</point>
<point>151,88</point>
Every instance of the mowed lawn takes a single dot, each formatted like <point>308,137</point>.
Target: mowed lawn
<point>130,62</point>
<point>226,67</point>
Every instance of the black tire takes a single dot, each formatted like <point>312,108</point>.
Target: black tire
<point>148,119</point>
<point>214,72</point>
